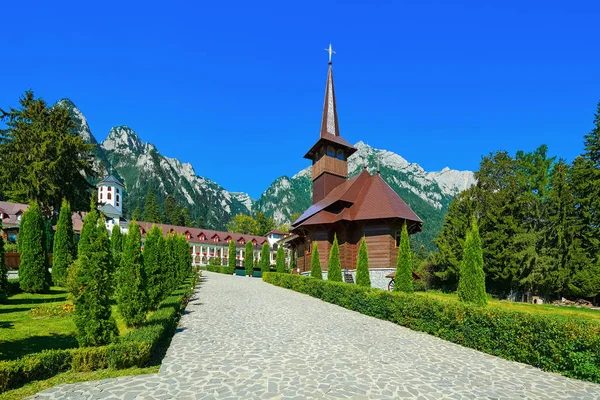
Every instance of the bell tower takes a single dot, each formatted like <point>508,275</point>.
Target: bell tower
<point>329,155</point>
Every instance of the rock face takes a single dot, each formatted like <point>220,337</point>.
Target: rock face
<point>142,166</point>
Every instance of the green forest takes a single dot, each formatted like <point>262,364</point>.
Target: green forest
<point>539,221</point>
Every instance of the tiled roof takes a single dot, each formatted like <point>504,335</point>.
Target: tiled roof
<point>363,197</point>
<point>10,212</point>
<point>110,179</point>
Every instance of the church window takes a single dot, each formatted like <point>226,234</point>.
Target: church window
<point>117,197</point>
<point>330,151</point>
<point>117,190</point>
<point>340,154</point>
<point>109,188</point>
<point>109,196</point>
<point>100,196</point>
<point>117,204</point>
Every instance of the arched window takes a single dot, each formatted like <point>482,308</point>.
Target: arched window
<point>117,197</point>
<point>340,154</point>
<point>117,190</point>
<point>100,196</point>
<point>109,196</point>
<point>117,204</point>
<point>330,151</point>
<point>109,188</point>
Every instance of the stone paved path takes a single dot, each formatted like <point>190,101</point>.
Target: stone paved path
<point>241,338</point>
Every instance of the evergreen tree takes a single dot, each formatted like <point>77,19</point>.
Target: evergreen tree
<point>42,160</point>
<point>116,244</point>
<point>403,278</point>
<point>131,292</point>
<point>334,267</point>
<point>201,222</point>
<point>184,258</point>
<point>153,270</point>
<point>169,264</point>
<point>265,258</point>
<point>362,267</point>
<point>151,209</point>
<point>93,282</point>
<point>186,218</point>
<point>64,245</point>
<point>280,260</point>
<point>137,214</point>
<point>315,263</point>
<point>292,263</point>
<point>249,260</point>
<point>33,271</point>
<point>231,255</point>
<point>3,272</point>
<point>173,211</point>
<point>471,283</point>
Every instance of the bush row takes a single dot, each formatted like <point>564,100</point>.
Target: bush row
<point>552,343</point>
<point>221,269</point>
<point>135,349</point>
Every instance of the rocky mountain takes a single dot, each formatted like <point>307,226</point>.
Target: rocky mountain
<point>142,166</point>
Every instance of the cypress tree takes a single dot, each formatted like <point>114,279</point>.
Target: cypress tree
<point>403,278</point>
<point>3,272</point>
<point>249,260</point>
<point>93,281</point>
<point>33,271</point>
<point>64,246</point>
<point>280,260</point>
<point>362,267</point>
<point>315,263</point>
<point>131,292</point>
<point>231,255</point>
<point>334,268</point>
<point>471,281</point>
<point>153,248</point>
<point>265,258</point>
<point>292,263</point>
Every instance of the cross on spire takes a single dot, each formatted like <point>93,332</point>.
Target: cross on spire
<point>330,51</point>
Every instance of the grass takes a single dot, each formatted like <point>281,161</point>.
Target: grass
<point>23,332</point>
<point>547,309</point>
<point>73,377</point>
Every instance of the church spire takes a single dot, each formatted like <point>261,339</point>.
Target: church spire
<point>329,123</point>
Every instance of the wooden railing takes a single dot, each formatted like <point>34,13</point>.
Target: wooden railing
<point>331,165</point>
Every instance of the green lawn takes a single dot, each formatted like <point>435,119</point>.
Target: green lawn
<point>569,312</point>
<point>23,331</point>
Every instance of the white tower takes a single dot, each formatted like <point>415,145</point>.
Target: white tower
<point>110,199</point>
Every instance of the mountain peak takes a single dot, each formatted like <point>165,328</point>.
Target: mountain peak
<point>123,139</point>
<point>82,129</point>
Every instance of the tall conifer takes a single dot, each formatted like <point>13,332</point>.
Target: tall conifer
<point>315,263</point>
<point>334,268</point>
<point>265,258</point>
<point>403,277</point>
<point>3,272</point>
<point>33,271</point>
<point>151,209</point>
<point>131,293</point>
<point>64,245</point>
<point>231,255</point>
<point>471,282</point>
<point>153,248</point>
<point>280,260</point>
<point>116,244</point>
<point>362,267</point>
<point>249,258</point>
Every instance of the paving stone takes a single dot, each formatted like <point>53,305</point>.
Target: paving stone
<point>243,338</point>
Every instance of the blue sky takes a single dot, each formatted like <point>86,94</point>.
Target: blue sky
<point>236,88</point>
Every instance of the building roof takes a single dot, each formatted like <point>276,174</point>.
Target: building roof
<point>361,198</point>
<point>10,213</point>
<point>110,180</point>
<point>276,232</point>
<point>330,130</point>
<point>108,209</point>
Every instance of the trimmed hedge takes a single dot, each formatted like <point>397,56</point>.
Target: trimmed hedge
<point>552,343</point>
<point>135,349</point>
<point>221,269</point>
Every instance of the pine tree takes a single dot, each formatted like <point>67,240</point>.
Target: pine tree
<point>131,293</point>
<point>172,211</point>
<point>93,280</point>
<point>334,268</point>
<point>315,263</point>
<point>362,267</point>
<point>186,218</point>
<point>153,270</point>
<point>280,260</point>
<point>265,258</point>
<point>64,245</point>
<point>137,214</point>
<point>471,283</point>
<point>232,255</point>
<point>151,209</point>
<point>33,271</point>
<point>249,259</point>
<point>3,272</point>
<point>403,278</point>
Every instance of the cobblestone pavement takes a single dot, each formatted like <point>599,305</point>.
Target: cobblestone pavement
<point>243,338</point>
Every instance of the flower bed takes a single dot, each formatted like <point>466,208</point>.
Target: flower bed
<point>134,349</point>
<point>570,347</point>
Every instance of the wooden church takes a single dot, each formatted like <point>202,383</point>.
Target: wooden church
<point>364,205</point>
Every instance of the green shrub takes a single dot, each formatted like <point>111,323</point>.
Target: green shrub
<point>33,367</point>
<point>471,281</point>
<point>64,245</point>
<point>89,358</point>
<point>3,271</point>
<point>221,269</point>
<point>249,258</point>
<point>551,343</point>
<point>33,271</point>
<point>363,277</point>
<point>131,293</point>
<point>11,247</point>
<point>403,278</point>
<point>419,285</point>
<point>334,268</point>
<point>315,263</point>
<point>280,260</point>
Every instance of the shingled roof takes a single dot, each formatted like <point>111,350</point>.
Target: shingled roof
<point>363,197</point>
<point>208,233</point>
